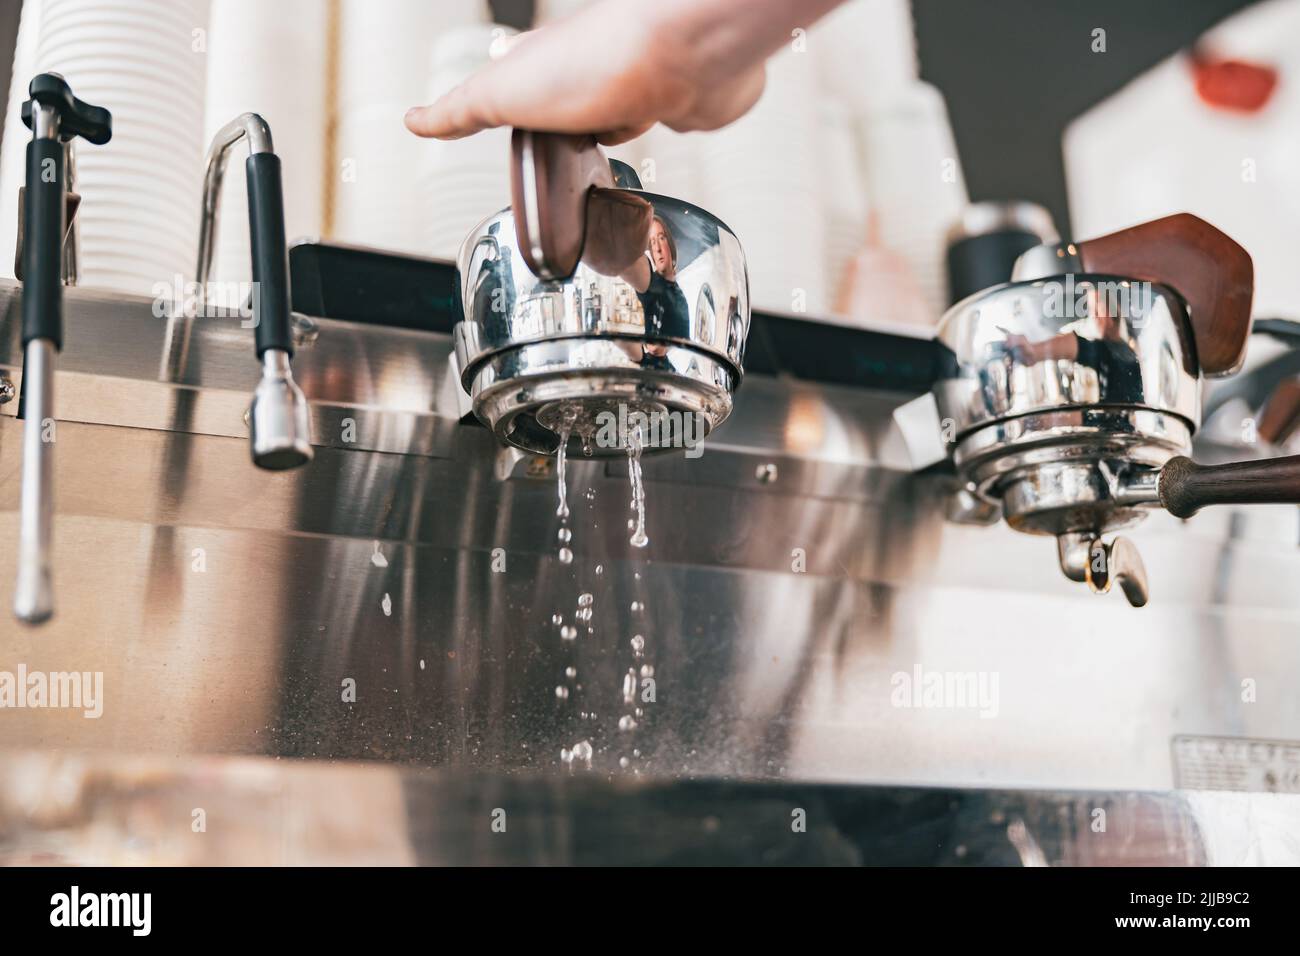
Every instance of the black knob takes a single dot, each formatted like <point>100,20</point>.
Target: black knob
<point>76,118</point>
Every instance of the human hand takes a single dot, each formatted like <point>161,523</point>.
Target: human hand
<point>616,68</point>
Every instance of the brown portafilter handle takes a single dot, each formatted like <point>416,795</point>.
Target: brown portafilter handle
<point>1280,418</point>
<point>1212,273</point>
<point>566,208</point>
<point>1186,487</point>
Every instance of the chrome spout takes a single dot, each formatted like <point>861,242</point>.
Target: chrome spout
<point>279,420</point>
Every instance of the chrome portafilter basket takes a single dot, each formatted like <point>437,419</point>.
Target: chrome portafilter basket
<point>642,347</point>
<point>1070,395</point>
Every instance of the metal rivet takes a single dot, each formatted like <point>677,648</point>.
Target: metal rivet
<point>7,391</point>
<point>766,473</point>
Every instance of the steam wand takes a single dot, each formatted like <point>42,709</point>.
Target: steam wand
<point>55,118</point>
<point>279,420</point>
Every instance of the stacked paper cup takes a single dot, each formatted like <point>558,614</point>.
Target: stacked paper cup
<point>670,164</point>
<point>383,71</point>
<point>13,149</point>
<point>915,182</point>
<point>761,176</point>
<point>463,180</point>
<point>270,59</point>
<point>843,195</point>
<point>145,62</point>
<point>865,52</point>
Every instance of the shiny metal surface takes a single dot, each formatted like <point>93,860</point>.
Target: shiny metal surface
<point>797,576</point>
<point>279,422</point>
<point>1016,349</point>
<point>33,591</point>
<point>1065,394</point>
<point>88,810</point>
<point>248,126</point>
<point>72,242</point>
<point>526,343</point>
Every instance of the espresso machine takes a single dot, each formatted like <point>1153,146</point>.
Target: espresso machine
<point>361,659</point>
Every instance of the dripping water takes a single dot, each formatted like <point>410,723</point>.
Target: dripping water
<point>638,539</point>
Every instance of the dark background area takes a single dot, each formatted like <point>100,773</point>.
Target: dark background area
<point>1015,72</point>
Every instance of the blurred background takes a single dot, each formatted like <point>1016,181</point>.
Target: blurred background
<point>879,129</point>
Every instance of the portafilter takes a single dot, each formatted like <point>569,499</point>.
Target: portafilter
<point>1070,395</point>
<point>591,304</point>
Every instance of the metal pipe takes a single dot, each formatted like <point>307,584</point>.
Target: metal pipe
<point>33,593</point>
<point>248,126</point>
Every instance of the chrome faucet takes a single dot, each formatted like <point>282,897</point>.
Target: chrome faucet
<point>279,420</point>
<point>55,118</point>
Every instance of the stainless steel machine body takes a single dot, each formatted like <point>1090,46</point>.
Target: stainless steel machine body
<point>804,610</point>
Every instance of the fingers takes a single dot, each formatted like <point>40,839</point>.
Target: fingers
<point>617,136</point>
<point>470,107</point>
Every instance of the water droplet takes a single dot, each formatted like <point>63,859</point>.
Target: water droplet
<point>583,614</point>
<point>582,752</point>
<point>638,645</point>
<point>562,692</point>
<point>638,539</point>
<point>557,618</point>
<point>566,556</point>
<point>568,632</point>
<point>629,687</point>
<point>387,605</point>
<point>600,569</point>
<point>564,535</point>
<point>647,670</point>
<point>627,722</point>
<point>585,599</point>
<point>570,672</point>
<point>637,607</point>
<point>562,481</point>
<point>591,494</point>
<point>421,663</point>
<point>624,762</point>
<point>636,753</point>
<point>377,558</point>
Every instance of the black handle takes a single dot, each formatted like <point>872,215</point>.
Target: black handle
<point>43,228</point>
<point>1186,487</point>
<point>270,253</point>
<point>76,117</point>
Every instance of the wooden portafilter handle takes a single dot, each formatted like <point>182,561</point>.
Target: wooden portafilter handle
<point>567,210</point>
<point>1186,487</point>
<point>1213,274</point>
